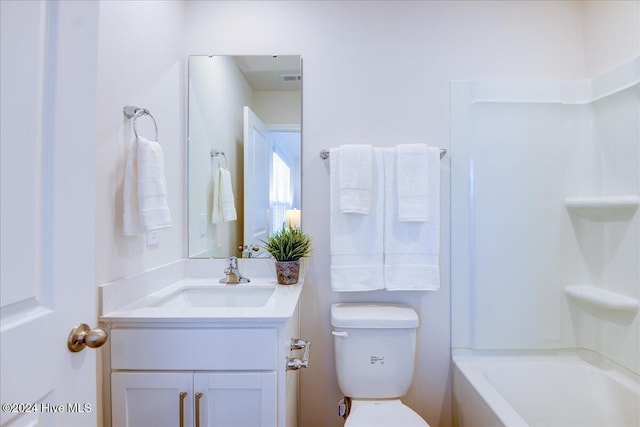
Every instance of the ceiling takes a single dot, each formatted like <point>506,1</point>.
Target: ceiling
<point>271,72</point>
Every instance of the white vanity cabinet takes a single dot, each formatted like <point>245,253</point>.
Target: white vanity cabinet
<point>201,373</point>
<point>211,399</point>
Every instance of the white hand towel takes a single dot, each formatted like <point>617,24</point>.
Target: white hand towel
<point>412,181</point>
<point>145,189</point>
<point>411,249</point>
<point>223,200</point>
<point>226,196</point>
<point>355,178</point>
<point>131,215</point>
<point>216,203</point>
<point>152,186</point>
<point>356,240</point>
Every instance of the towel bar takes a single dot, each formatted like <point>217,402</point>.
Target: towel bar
<point>324,154</point>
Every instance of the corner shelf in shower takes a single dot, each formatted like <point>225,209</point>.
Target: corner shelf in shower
<point>603,208</point>
<point>602,298</point>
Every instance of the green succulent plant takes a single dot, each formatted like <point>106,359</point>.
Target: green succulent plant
<point>288,244</point>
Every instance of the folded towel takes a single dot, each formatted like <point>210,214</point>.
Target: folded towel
<point>411,249</point>
<point>412,181</point>
<point>356,240</point>
<point>223,201</point>
<point>354,178</point>
<point>145,189</point>
<point>152,186</point>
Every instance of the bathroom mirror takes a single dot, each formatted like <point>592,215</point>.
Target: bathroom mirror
<point>245,140</point>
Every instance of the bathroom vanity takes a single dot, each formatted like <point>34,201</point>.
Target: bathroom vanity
<point>199,353</point>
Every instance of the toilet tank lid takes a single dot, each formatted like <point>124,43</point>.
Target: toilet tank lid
<point>371,315</point>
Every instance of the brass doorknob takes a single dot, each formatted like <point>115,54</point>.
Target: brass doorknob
<point>82,336</point>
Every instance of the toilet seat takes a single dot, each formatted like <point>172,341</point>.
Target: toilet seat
<point>383,413</point>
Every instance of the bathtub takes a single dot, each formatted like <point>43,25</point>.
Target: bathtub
<point>567,389</point>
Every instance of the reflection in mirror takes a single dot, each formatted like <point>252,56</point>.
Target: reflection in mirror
<point>245,142</point>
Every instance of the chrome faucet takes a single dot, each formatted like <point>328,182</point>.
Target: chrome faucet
<point>232,273</point>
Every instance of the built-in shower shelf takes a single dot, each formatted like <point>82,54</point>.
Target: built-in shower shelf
<point>603,208</point>
<point>602,298</point>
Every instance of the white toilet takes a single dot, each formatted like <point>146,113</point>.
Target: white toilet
<point>375,353</point>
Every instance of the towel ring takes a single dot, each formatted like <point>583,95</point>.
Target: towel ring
<point>143,112</point>
<point>218,154</point>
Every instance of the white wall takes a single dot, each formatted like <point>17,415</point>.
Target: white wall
<point>610,34</point>
<point>140,62</point>
<point>278,107</point>
<point>379,72</point>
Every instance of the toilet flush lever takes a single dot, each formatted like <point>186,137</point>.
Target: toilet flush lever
<point>340,333</point>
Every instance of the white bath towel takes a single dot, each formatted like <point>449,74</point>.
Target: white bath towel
<point>224,209</point>
<point>145,189</point>
<point>411,249</point>
<point>412,182</point>
<point>356,243</point>
<point>355,178</point>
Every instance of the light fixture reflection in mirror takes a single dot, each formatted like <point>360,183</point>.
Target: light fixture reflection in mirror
<point>249,108</point>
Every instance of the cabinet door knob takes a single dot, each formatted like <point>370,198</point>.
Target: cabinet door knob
<point>82,336</point>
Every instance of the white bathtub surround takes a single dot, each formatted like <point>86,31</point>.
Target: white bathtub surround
<point>545,188</point>
<point>617,208</point>
<point>561,389</point>
<point>411,248</point>
<point>356,243</point>
<point>602,298</point>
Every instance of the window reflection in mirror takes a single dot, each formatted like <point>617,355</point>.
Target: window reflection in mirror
<point>244,129</point>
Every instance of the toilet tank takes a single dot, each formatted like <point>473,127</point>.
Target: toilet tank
<point>375,347</point>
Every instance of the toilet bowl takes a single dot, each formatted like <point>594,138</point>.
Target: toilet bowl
<point>383,413</point>
<point>375,356</point>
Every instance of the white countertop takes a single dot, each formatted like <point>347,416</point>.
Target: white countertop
<point>280,306</point>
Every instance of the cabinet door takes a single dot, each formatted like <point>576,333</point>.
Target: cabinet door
<point>236,399</point>
<point>142,399</point>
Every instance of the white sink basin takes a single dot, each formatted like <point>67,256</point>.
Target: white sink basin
<point>204,299</point>
<point>227,296</point>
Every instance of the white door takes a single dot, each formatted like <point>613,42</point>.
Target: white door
<point>258,152</point>
<point>48,83</point>
<point>239,399</point>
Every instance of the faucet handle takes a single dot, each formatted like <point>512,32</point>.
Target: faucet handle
<point>232,262</point>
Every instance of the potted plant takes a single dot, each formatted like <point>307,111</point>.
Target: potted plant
<point>287,246</point>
